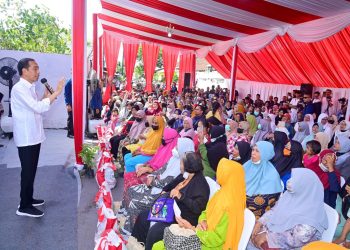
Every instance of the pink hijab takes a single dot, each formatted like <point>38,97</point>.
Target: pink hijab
<point>138,127</point>
<point>189,132</point>
<point>164,152</point>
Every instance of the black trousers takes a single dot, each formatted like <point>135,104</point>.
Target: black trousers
<point>143,233</point>
<point>29,157</point>
<point>70,123</point>
<point>115,140</point>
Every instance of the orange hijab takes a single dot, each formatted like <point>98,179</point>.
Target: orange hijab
<point>154,138</point>
<point>231,198</point>
<point>320,245</point>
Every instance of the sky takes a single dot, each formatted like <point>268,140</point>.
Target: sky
<point>63,10</point>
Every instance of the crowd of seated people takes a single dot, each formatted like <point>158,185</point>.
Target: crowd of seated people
<point>279,159</point>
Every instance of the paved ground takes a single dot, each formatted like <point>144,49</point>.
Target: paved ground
<point>66,224</point>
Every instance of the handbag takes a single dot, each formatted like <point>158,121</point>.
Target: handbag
<point>133,244</point>
<point>162,210</point>
<point>176,238</point>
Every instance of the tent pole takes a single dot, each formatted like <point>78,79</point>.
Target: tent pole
<point>233,73</point>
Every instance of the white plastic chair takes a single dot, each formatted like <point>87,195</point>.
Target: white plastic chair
<point>333,219</point>
<point>212,185</point>
<point>249,223</point>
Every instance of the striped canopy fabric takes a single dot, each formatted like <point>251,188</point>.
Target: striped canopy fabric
<point>201,23</point>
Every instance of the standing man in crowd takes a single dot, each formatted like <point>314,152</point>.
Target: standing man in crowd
<point>28,130</point>
<point>68,100</point>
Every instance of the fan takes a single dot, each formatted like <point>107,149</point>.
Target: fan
<point>9,75</point>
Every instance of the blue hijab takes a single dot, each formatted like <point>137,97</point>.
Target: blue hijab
<point>262,178</point>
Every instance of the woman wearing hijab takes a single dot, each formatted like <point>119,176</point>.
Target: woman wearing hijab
<point>155,109</point>
<point>141,196</point>
<point>239,117</point>
<point>311,136</point>
<point>290,224</point>
<point>253,126</point>
<point>137,128</point>
<point>302,130</point>
<point>216,149</point>
<point>324,126</point>
<point>343,129</point>
<point>187,131</point>
<point>241,152</point>
<point>292,157</point>
<point>263,183</point>
<point>309,119</point>
<point>216,113</point>
<point>203,139</point>
<point>322,138</point>
<point>324,168</point>
<point>264,129</point>
<point>149,148</point>
<point>162,155</point>
<point>342,149</point>
<point>190,190</point>
<point>280,139</point>
<point>321,245</point>
<point>220,226</point>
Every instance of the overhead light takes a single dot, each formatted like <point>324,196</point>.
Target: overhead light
<point>170,30</point>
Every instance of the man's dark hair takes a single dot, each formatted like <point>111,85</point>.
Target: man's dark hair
<point>23,64</point>
<point>315,146</point>
<point>115,110</point>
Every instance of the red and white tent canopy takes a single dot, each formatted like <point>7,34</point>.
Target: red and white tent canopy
<point>203,23</point>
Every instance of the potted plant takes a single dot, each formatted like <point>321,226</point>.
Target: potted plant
<point>88,154</point>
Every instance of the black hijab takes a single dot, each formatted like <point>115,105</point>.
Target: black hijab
<point>279,142</point>
<point>245,151</point>
<point>284,164</point>
<point>216,149</point>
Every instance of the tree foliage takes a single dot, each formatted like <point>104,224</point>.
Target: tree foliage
<point>31,29</point>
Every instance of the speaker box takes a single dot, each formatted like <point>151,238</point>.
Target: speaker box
<point>306,88</point>
<point>187,80</point>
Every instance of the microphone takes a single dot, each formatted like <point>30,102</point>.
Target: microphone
<point>48,87</point>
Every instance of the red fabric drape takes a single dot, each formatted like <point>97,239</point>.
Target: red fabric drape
<point>111,49</point>
<point>130,54</point>
<point>324,64</point>
<point>150,56</point>
<point>94,42</point>
<point>220,63</point>
<point>169,61</point>
<point>100,56</point>
<point>78,55</point>
<point>187,65</point>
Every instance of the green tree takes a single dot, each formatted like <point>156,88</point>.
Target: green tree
<point>31,29</point>
<point>139,68</point>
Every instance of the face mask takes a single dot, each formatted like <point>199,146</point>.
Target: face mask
<point>240,130</point>
<point>248,113</point>
<point>331,122</point>
<point>227,128</point>
<point>286,152</point>
<point>175,153</point>
<point>237,158</point>
<point>155,127</point>
<point>256,113</point>
<point>256,162</point>
<point>139,99</point>
<point>168,109</point>
<point>343,130</point>
<point>138,119</point>
<point>323,167</point>
<point>259,126</point>
<point>185,175</point>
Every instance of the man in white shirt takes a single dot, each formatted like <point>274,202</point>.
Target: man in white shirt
<point>28,130</point>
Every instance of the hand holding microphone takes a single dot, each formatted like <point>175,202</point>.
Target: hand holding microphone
<point>53,94</point>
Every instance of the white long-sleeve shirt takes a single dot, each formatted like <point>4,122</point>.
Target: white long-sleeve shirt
<point>27,112</point>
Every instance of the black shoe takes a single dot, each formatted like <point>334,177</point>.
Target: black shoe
<point>30,212</point>
<point>36,203</point>
<point>70,136</point>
